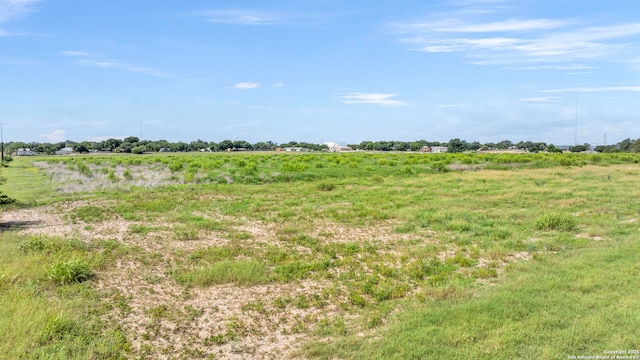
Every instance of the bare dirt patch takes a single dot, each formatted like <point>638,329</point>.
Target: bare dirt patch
<point>164,320</point>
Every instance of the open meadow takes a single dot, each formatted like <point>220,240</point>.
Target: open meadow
<point>320,255</point>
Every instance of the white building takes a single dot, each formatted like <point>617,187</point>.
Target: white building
<point>335,147</point>
<point>25,152</point>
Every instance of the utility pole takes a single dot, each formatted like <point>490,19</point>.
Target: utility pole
<point>575,139</point>
<point>2,143</point>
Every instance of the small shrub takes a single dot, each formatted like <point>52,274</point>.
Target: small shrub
<point>69,271</point>
<point>485,273</point>
<point>326,186</point>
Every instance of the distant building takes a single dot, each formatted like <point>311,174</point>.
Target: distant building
<point>294,149</point>
<point>335,147</point>
<point>434,149</point>
<point>65,151</point>
<point>25,152</point>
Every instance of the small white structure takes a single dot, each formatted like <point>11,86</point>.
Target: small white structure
<point>25,152</point>
<point>335,147</point>
<point>295,149</point>
<point>434,149</point>
<point>65,151</point>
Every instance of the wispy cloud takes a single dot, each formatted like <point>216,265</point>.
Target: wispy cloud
<point>555,67</point>
<point>372,98</point>
<point>596,89</point>
<point>242,17</point>
<point>516,40</point>
<point>11,9</point>
<point>55,136</point>
<point>542,99</point>
<point>74,53</point>
<point>7,60</point>
<point>246,85</point>
<point>445,106</point>
<point>453,25</point>
<point>278,85</point>
<point>89,59</point>
<point>14,9</point>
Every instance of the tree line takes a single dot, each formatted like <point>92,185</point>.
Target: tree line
<point>133,144</point>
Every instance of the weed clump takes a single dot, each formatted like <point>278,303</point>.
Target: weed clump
<point>69,272</point>
<point>556,221</point>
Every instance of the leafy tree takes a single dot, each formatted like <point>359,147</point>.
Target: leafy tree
<point>110,144</point>
<point>456,146</point>
<point>198,145</point>
<point>580,148</point>
<point>264,146</point>
<point>140,149</point>
<point>624,145</point>
<point>224,145</point>
<point>241,144</point>
<point>81,148</point>
<point>179,146</point>
<point>504,144</point>
<point>553,149</point>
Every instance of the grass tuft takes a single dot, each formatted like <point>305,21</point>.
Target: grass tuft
<point>69,272</point>
<point>556,221</point>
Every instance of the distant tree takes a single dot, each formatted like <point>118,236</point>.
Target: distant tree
<point>456,146</point>
<point>140,149</point>
<point>624,145</point>
<point>241,144</point>
<point>109,145</point>
<point>179,146</point>
<point>401,146</point>
<point>198,145</point>
<point>580,148</point>
<point>224,145</point>
<point>131,139</point>
<point>553,149</point>
<point>504,144</point>
<point>263,146</point>
<point>81,148</point>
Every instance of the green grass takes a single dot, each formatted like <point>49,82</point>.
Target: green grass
<point>48,309</point>
<point>415,255</point>
<point>239,272</point>
<point>582,303</point>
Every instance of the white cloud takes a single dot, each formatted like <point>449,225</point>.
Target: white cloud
<point>55,136</point>
<point>278,85</point>
<point>75,53</point>
<point>596,89</point>
<point>555,67</point>
<point>83,60</point>
<point>372,98</point>
<point>541,99</point>
<point>444,106</point>
<point>11,9</point>
<point>246,85</point>
<point>241,17</point>
<point>513,40</point>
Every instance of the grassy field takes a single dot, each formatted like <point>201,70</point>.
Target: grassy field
<point>323,256</point>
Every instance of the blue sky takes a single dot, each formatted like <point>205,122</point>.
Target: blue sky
<point>321,70</point>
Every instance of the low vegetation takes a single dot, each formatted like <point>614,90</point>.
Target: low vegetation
<point>359,255</point>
